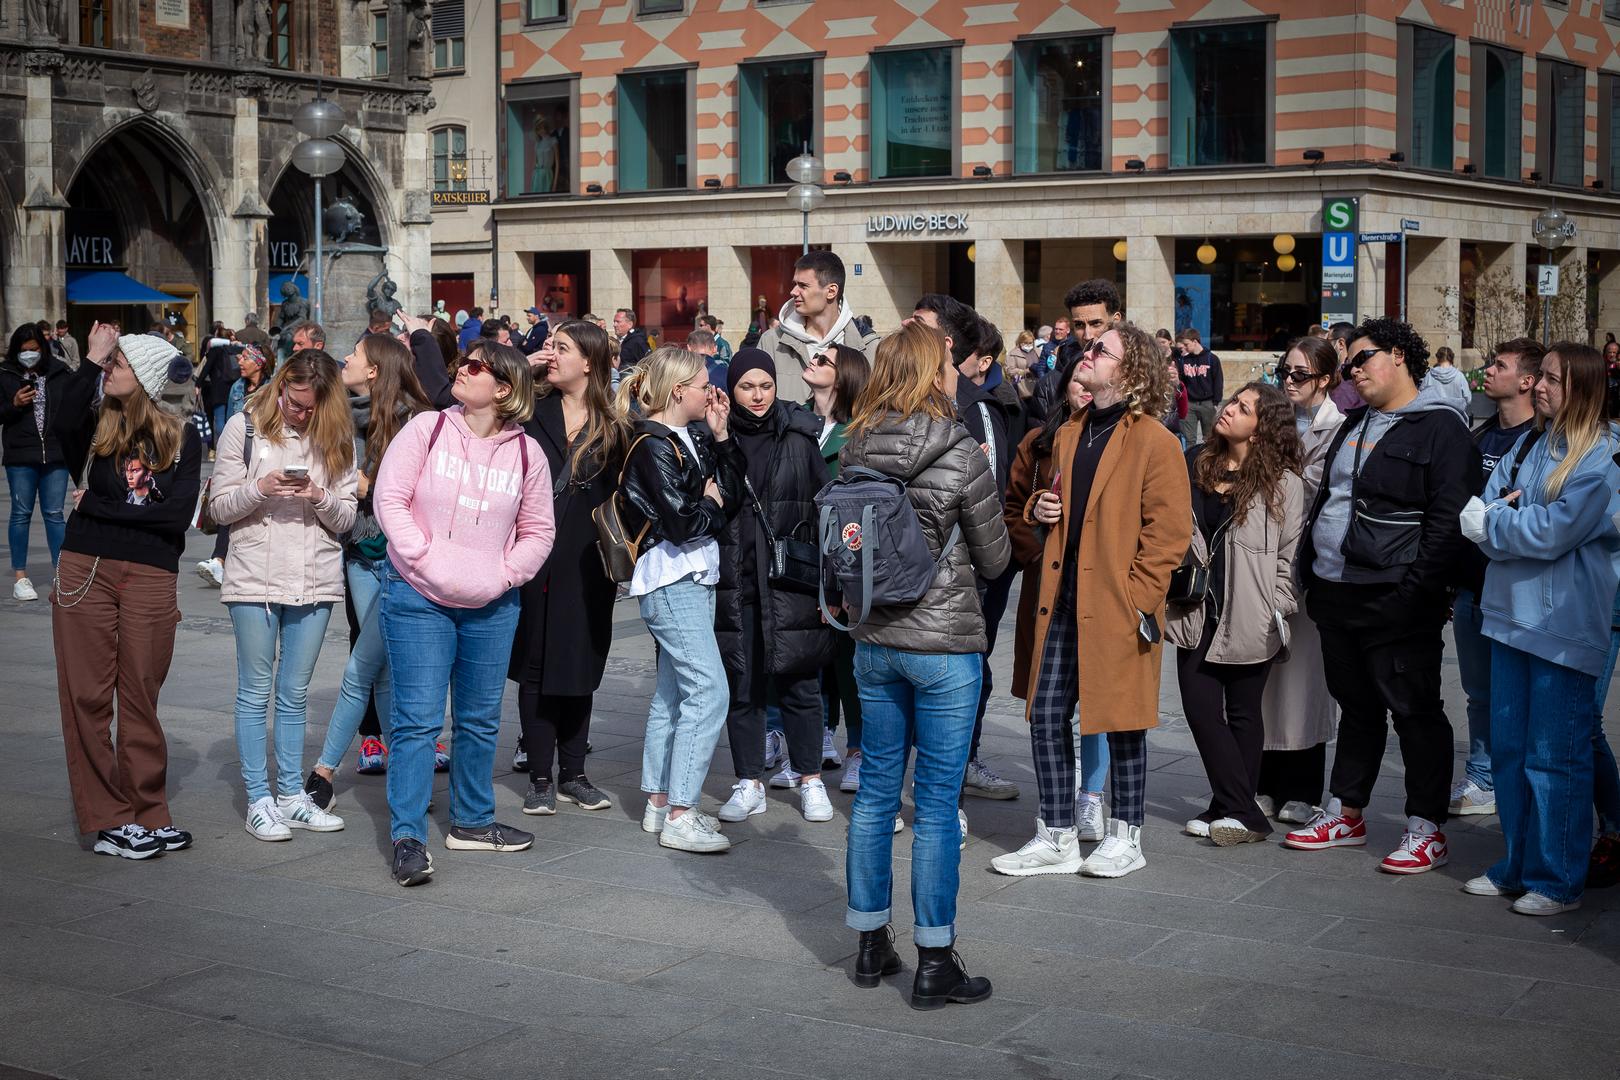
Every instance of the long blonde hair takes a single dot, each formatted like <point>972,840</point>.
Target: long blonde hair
<point>652,382</point>
<point>905,379</point>
<point>1578,426</point>
<point>331,427</point>
<point>136,427</point>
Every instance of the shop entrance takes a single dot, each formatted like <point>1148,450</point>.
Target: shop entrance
<point>562,285</point>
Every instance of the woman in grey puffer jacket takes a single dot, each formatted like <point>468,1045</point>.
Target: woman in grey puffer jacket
<point>918,665</point>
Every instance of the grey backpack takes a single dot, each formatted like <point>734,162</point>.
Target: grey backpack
<point>871,545</point>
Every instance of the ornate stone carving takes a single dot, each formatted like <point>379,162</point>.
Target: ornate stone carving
<point>252,31</point>
<point>420,104</point>
<point>82,69</point>
<point>211,83</point>
<point>146,91</point>
<point>43,62</point>
<point>250,85</point>
<point>44,18</point>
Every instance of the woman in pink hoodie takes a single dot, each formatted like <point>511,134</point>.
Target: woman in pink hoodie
<point>464,497</point>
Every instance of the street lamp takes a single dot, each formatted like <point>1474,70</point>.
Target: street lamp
<point>805,195</point>
<point>1552,229</point>
<point>318,156</point>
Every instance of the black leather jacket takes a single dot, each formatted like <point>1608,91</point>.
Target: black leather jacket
<point>664,490</point>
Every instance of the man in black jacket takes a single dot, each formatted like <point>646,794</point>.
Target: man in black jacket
<point>1200,372</point>
<point>1380,554</point>
<point>539,329</point>
<point>1094,308</point>
<point>633,344</point>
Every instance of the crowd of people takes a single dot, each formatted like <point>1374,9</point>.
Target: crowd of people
<point>478,500</point>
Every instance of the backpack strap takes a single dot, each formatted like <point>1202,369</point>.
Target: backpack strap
<point>438,426</point>
<point>247,441</point>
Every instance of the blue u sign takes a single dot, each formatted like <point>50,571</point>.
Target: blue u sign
<point>1338,249</point>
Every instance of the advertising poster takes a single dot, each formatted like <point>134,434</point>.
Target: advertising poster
<point>1192,304</point>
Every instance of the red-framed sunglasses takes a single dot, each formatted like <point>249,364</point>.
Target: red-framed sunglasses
<point>475,366</point>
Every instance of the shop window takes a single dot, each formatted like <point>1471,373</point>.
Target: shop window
<point>671,289</point>
<point>1058,105</point>
<point>1609,131</point>
<point>778,109</point>
<point>1561,122</point>
<point>1497,111</point>
<point>1243,300</point>
<point>95,23</point>
<point>283,54</point>
<point>450,159</point>
<point>1611,9</point>
<point>1427,101</point>
<point>545,10</point>
<point>379,44</point>
<point>913,114</point>
<point>1220,109</point>
<point>653,131</point>
<point>449,35</point>
<point>539,139</point>
<point>662,7</point>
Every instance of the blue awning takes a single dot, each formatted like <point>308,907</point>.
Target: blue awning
<point>277,280</point>
<point>111,287</point>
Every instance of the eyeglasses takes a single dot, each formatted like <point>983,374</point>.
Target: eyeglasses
<point>1361,358</point>
<point>475,366</point>
<point>824,360</point>
<point>1297,376</point>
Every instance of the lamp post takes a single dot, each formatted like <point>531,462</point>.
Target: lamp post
<point>1552,229</point>
<point>318,156</point>
<point>805,194</point>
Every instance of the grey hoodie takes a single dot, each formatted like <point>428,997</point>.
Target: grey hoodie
<point>1333,523</point>
<point>791,346</point>
<point>1451,382</point>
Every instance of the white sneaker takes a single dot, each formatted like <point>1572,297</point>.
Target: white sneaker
<point>1119,854</point>
<point>1468,798</point>
<point>900,824</point>
<point>690,832</point>
<point>1230,832</point>
<point>1295,812</point>
<point>1197,827</point>
<point>813,801</point>
<point>961,826</point>
<point>830,758</point>
<point>300,812</point>
<point>264,821</point>
<point>1484,886</point>
<point>985,784</point>
<point>747,799</point>
<point>1052,851</point>
<point>1089,820</point>
<point>852,773</point>
<point>776,754</point>
<point>653,818</point>
<point>787,778</point>
<point>24,590</point>
<point>1533,903</point>
<point>212,572</point>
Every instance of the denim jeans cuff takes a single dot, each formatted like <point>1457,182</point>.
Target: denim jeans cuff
<point>454,824</point>
<point>396,837</point>
<point>866,920</point>
<point>934,937</point>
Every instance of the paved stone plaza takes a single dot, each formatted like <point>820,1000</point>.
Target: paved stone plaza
<point>599,954</point>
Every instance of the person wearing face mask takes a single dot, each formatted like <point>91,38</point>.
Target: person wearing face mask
<point>288,498</point>
<point>771,635</point>
<point>46,420</point>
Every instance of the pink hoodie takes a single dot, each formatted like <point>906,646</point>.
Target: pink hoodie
<point>463,525</point>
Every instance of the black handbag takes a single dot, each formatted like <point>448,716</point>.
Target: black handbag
<point>795,565</point>
<point>1189,582</point>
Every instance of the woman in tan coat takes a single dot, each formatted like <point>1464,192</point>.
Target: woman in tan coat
<point>1119,519</point>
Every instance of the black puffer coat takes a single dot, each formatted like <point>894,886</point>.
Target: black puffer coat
<point>796,640</point>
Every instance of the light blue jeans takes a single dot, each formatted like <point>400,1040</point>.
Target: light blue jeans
<point>689,705</point>
<point>927,701</point>
<point>434,651</point>
<point>47,486</point>
<point>1474,665</point>
<point>261,631</point>
<point>366,673</point>
<point>1091,753</point>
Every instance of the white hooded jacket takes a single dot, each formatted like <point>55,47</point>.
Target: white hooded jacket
<point>791,340</point>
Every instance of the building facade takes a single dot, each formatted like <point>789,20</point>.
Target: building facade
<point>1187,149</point>
<point>146,157</point>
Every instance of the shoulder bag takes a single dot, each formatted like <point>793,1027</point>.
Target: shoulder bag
<point>618,549</point>
<point>1189,582</point>
<point>205,516</point>
<point>795,564</point>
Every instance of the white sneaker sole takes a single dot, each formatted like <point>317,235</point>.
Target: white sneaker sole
<point>309,827</point>
<point>455,843</point>
<point>1472,809</point>
<point>547,811</point>
<point>1068,866</point>
<point>605,804</point>
<point>1537,912</point>
<point>208,578</point>
<point>782,784</point>
<point>682,844</point>
<point>1113,872</point>
<point>1433,864</point>
<point>107,847</point>
<point>731,817</point>
<point>1487,887</point>
<point>268,837</point>
<point>653,823</point>
<point>1227,836</point>
<point>849,788</point>
<point>818,815</point>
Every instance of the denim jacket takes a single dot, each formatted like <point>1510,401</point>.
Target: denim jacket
<point>1550,586</point>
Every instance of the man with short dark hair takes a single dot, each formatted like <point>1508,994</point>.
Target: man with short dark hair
<point>815,316</point>
<point>251,334</point>
<point>1200,372</point>
<point>379,322</point>
<point>470,329</point>
<point>722,347</point>
<point>534,339</point>
<point>633,343</point>
<point>1094,309</point>
<point>70,347</point>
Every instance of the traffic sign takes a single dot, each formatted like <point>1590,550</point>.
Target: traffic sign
<point>1411,224</point>
<point>1339,221</point>
<point>1547,280</point>
<point>1380,238</point>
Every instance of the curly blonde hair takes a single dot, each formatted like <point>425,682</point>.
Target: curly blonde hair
<point>1143,376</point>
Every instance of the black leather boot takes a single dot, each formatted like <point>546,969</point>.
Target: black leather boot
<point>877,957</point>
<point>941,980</point>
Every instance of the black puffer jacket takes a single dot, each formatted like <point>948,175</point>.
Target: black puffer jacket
<point>948,480</point>
<point>664,492</point>
<point>796,639</point>
<point>70,417</point>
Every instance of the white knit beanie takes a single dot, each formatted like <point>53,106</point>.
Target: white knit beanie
<point>154,362</point>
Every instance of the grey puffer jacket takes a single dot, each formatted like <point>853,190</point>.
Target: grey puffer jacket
<point>949,481</point>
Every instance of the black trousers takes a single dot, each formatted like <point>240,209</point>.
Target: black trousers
<point>799,698</point>
<point>839,693</point>
<point>1293,775</point>
<point>1376,676</point>
<point>554,725</point>
<point>994,601</point>
<point>1222,703</point>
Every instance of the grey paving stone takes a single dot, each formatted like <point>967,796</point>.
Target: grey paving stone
<point>479,881</point>
<point>48,1028</point>
<point>544,1050</point>
<point>1569,1006</point>
<point>684,874</point>
<point>211,1050</point>
<point>28,899</point>
<point>334,1016</point>
<point>60,958</point>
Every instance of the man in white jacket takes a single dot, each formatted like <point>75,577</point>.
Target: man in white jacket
<point>816,316</point>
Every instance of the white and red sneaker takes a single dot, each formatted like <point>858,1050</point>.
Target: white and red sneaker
<point>1423,847</point>
<point>1328,829</point>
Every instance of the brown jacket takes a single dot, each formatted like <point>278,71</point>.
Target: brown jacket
<point>1138,525</point>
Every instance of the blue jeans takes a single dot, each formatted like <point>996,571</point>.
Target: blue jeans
<point>1605,776</point>
<point>218,421</point>
<point>434,651</point>
<point>366,673</point>
<point>689,705</point>
<point>48,486</point>
<point>260,629</point>
<point>1091,752</point>
<point>927,701</point>
<point>1474,663</point>
<point>1541,747</point>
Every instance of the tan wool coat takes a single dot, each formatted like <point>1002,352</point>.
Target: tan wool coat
<point>1138,524</point>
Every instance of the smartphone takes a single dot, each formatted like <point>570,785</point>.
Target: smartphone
<point>1057,484</point>
<point>296,472</point>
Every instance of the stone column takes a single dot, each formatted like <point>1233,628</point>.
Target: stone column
<point>889,283</point>
<point>241,274</point>
<point>730,281</point>
<point>410,261</point>
<point>998,284</point>
<point>1373,266</point>
<point>611,287</point>
<point>36,281</point>
<point>1433,288</point>
<point>1150,281</point>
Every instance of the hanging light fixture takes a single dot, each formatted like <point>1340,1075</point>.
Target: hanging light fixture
<point>1282,244</point>
<point>1206,253</point>
<point>1121,249</point>
<point>1286,263</point>
<point>973,253</point>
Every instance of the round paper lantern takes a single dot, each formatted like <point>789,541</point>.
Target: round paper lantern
<point>1282,244</point>
<point>1285,263</point>
<point>1206,253</point>
<point>1119,250</point>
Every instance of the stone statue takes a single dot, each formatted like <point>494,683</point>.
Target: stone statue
<point>44,20</point>
<point>380,295</point>
<point>293,311</point>
<point>418,43</point>
<point>252,31</point>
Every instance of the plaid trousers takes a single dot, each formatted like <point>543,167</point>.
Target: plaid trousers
<point>1051,732</point>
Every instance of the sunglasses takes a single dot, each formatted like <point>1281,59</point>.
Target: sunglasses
<point>476,366</point>
<point>1297,376</point>
<point>1361,358</point>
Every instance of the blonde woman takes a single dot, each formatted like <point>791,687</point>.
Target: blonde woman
<point>284,480</point>
<point>681,486</point>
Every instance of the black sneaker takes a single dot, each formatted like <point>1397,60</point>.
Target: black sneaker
<point>520,757</point>
<point>412,863</point>
<point>586,794</point>
<point>491,837</point>
<point>320,791</point>
<point>172,839</point>
<point>541,799</point>
<point>128,842</point>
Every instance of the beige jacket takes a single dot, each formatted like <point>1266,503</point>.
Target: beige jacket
<point>1260,592</point>
<point>284,550</point>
